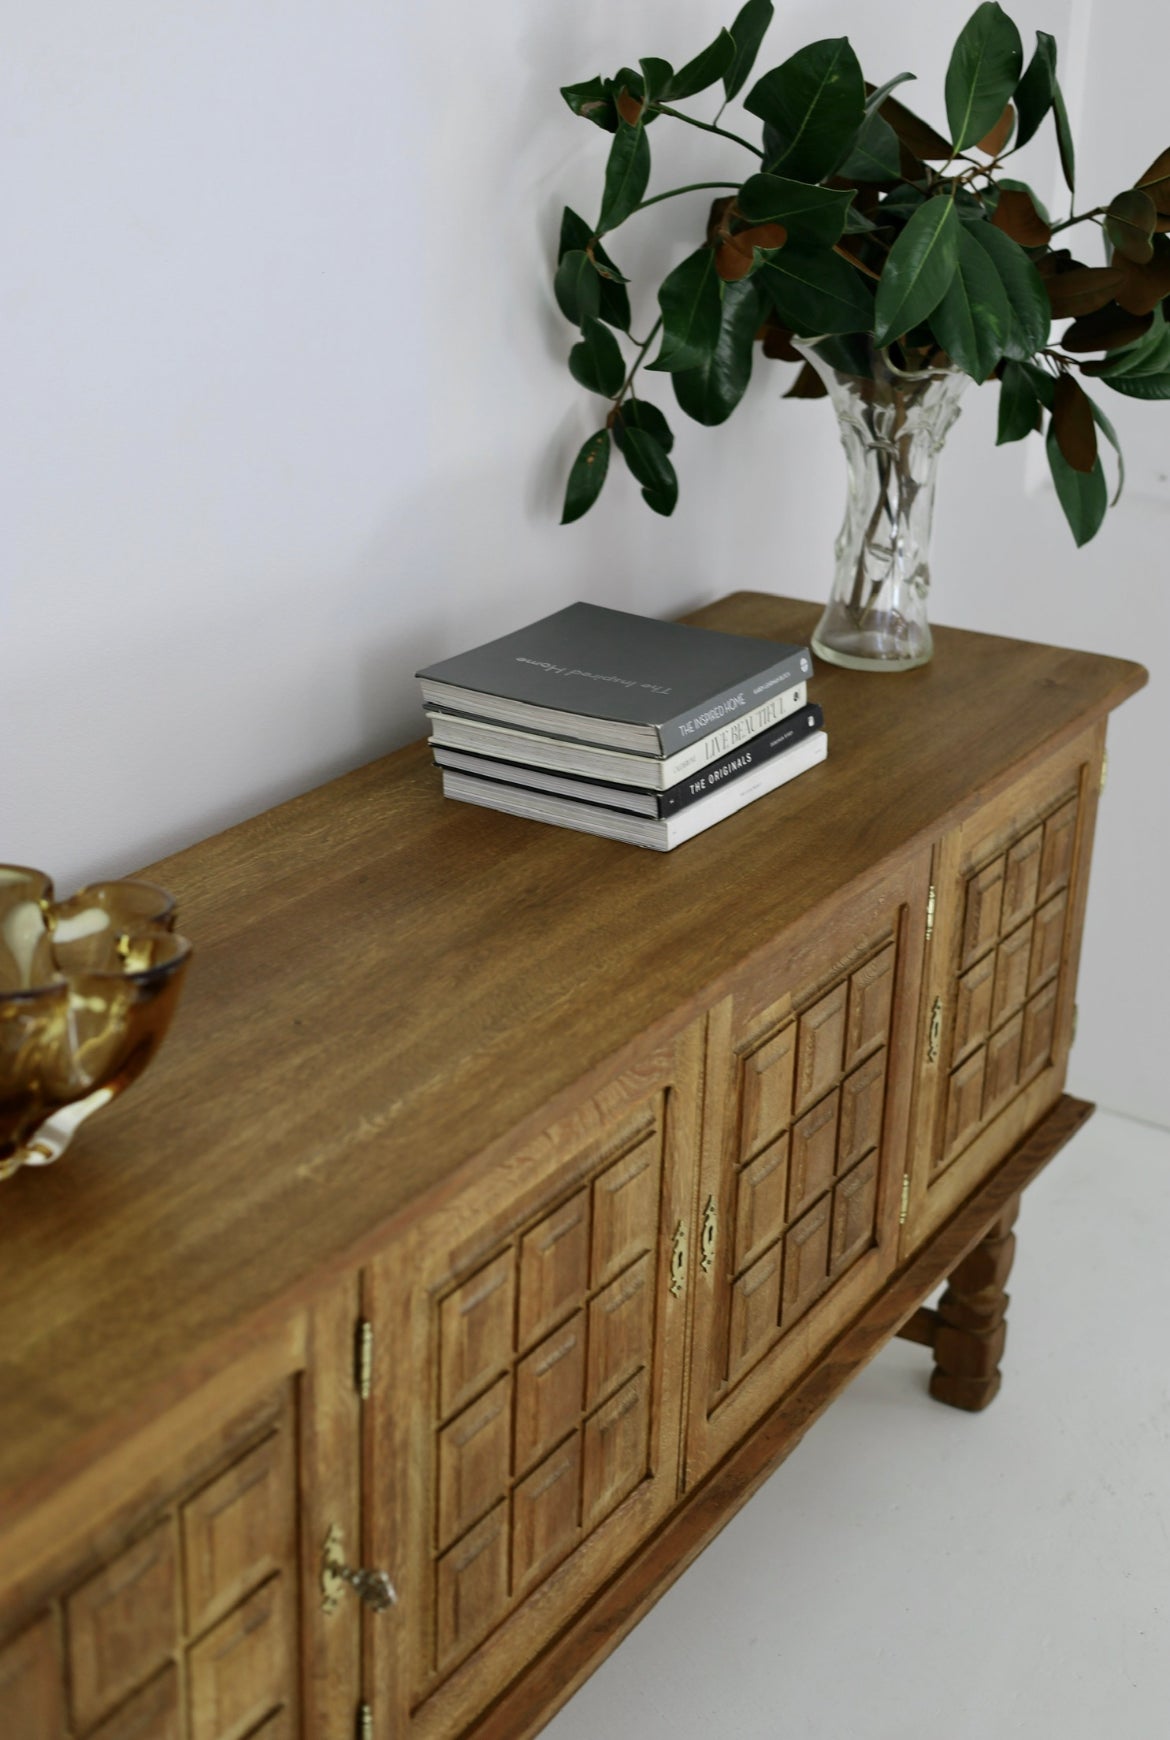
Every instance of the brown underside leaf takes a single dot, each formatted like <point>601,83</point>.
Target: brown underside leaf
<point>918,136</point>
<point>629,107</point>
<point>731,262</point>
<point>1156,182</point>
<point>719,218</point>
<point>1130,220</point>
<point>1106,328</point>
<point>760,236</point>
<point>1073,425</point>
<point>1082,290</point>
<point>777,341</point>
<point>735,254</point>
<point>1018,218</point>
<point>807,385</point>
<point>993,142</point>
<point>1143,287</point>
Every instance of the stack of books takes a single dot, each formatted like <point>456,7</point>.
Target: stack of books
<point>644,731</point>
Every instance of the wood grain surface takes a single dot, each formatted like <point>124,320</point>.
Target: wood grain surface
<point>387,985</point>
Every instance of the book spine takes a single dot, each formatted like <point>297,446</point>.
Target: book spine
<point>760,749</point>
<point>734,734</point>
<point>734,703</point>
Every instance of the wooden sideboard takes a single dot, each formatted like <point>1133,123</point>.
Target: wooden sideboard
<point>506,1203</point>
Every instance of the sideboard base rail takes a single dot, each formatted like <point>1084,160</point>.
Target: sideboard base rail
<point>973,1251</point>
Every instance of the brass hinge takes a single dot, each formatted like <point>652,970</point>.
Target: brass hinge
<point>708,1236</point>
<point>678,1259</point>
<point>930,900</point>
<point>365,1722</point>
<point>904,1209</point>
<point>364,1358</point>
<point>1104,770</point>
<point>935,1034</point>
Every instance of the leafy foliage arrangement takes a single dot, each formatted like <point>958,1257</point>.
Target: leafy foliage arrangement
<point>860,226</point>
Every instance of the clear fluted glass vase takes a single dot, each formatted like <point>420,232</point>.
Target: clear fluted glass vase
<point>893,426</point>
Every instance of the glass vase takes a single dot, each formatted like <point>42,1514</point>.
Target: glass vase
<point>892,425</point>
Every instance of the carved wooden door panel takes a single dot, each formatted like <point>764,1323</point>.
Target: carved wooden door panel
<point>188,1629</point>
<point>809,1064</point>
<point>1010,887</point>
<point>524,1429</point>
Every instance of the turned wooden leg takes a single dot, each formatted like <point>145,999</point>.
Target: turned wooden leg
<point>970,1329</point>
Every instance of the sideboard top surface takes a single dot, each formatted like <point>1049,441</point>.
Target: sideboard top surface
<point>385,982</point>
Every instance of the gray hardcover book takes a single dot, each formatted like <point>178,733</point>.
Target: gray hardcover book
<point>609,677</point>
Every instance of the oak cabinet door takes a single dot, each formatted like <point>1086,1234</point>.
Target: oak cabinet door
<point>1000,980</point>
<point>524,1431</point>
<point>188,1628</point>
<point>809,1063</point>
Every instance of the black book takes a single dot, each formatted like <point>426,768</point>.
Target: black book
<point>609,677</point>
<point>726,771</point>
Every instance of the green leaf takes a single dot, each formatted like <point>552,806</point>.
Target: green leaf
<point>658,75</point>
<point>973,319</point>
<point>1110,434</point>
<point>1064,138</point>
<point>751,24</point>
<point>809,214</point>
<point>689,300</point>
<point>706,69</point>
<point>875,154</point>
<point>575,233</point>
<point>615,301</point>
<point>637,414</point>
<point>1034,93</point>
<point>653,470</point>
<point>815,102</point>
<point>1135,386</point>
<point>711,392</point>
<point>597,361</point>
<point>984,71</point>
<point>1031,311</point>
<point>627,172</point>
<point>586,477</point>
<point>1083,494</point>
<point>919,269</point>
<point>1142,370</point>
<point>901,203</point>
<point>850,355</point>
<point>1043,383</point>
<point>577,287</point>
<point>593,101</point>
<point>815,292</point>
<point>876,98</point>
<point>1019,405</point>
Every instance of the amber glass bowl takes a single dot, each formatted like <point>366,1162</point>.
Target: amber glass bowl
<point>87,990</point>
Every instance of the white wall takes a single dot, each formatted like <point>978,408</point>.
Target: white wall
<point>286,413</point>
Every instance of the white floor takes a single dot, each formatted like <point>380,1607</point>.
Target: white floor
<point>915,1573</point>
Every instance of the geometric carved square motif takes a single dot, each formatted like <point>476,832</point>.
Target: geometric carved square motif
<point>186,1633</point>
<point>542,1422</point>
<point>812,1098</point>
<point>1006,987</point>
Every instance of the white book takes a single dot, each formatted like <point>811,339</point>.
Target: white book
<point>618,766</point>
<point>661,835</point>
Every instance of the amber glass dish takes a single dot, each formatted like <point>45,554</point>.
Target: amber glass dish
<point>87,990</point>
